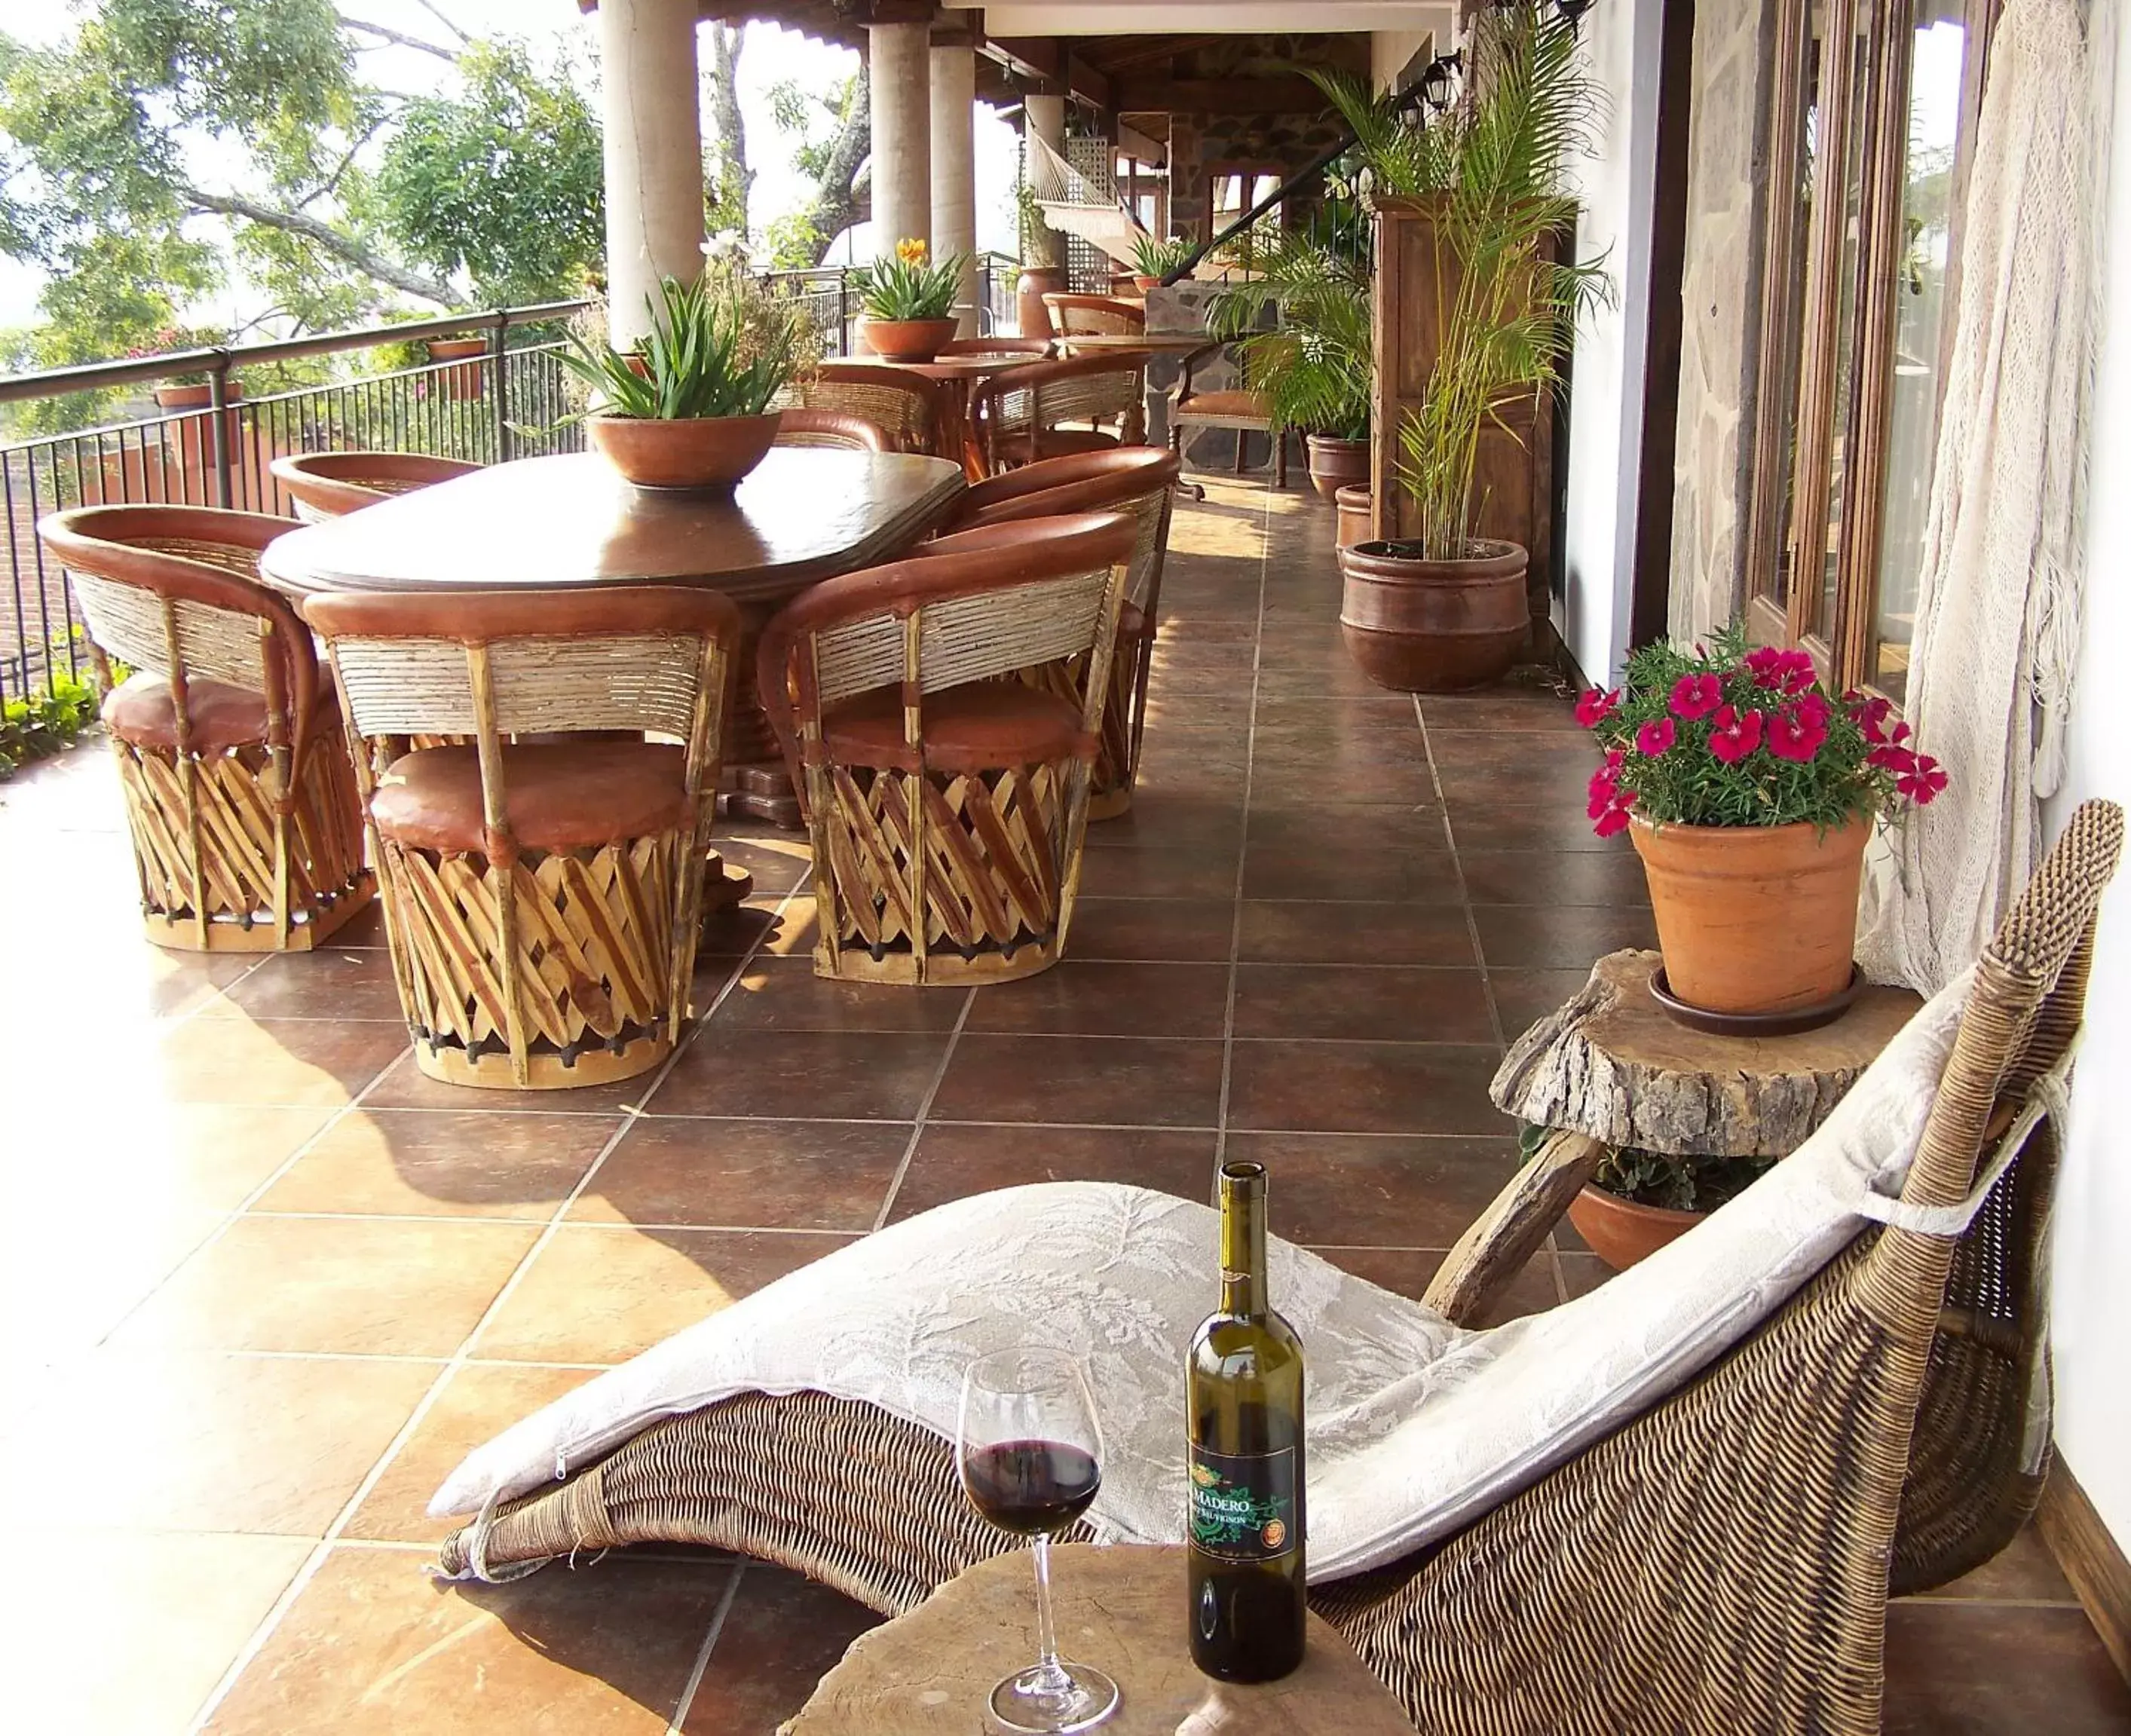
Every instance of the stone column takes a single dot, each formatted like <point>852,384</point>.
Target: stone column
<point>955,167</point>
<point>898,65</point>
<point>654,151</point>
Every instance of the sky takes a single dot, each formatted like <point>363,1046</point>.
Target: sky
<point>769,55</point>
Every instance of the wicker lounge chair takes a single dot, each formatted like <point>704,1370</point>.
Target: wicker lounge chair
<point>1718,1562</point>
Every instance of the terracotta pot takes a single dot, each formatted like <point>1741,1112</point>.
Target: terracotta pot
<point>702,453</point>
<point>1037,282</point>
<point>1143,284</point>
<point>195,395</point>
<point>1622,1232</point>
<point>1334,464</point>
<point>461,382</point>
<point>1419,626</point>
<point>1357,514</point>
<point>1753,918</point>
<point>906,340</point>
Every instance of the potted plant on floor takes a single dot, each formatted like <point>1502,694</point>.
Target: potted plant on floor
<point>1154,260</point>
<point>688,406</point>
<point>1445,608</point>
<point>1637,1201</point>
<point>908,303</point>
<point>1749,794</point>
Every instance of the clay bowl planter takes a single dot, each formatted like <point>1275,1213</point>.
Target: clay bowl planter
<point>1143,284</point>
<point>1752,919</point>
<point>1357,514</point>
<point>1335,464</point>
<point>1421,626</point>
<point>906,340</point>
<point>196,394</point>
<point>702,454</point>
<point>1622,1232</point>
<point>461,382</point>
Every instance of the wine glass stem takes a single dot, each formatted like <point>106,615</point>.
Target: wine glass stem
<point>1046,1637</point>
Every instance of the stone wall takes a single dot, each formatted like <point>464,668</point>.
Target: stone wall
<point>1728,191</point>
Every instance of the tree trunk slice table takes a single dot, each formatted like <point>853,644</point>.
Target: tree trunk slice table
<point>1122,1609</point>
<point>570,522</point>
<point>1609,1069</point>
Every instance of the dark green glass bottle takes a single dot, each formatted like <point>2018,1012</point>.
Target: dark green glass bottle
<point>1243,1396</point>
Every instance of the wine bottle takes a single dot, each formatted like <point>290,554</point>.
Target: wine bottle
<point>1243,1398</point>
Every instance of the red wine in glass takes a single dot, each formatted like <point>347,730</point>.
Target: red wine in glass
<point>1031,1487</point>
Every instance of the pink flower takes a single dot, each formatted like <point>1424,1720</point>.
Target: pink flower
<point>1869,715</point>
<point>1695,695</point>
<point>1734,734</point>
<point>1815,710</point>
<point>1656,737</point>
<point>1596,707</point>
<point>1793,736</point>
<point>1615,819</point>
<point>1898,760</point>
<point>1772,667</point>
<point>1605,789</point>
<point>1922,781</point>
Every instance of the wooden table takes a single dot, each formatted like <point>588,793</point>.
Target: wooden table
<point>1121,1609</point>
<point>569,522</point>
<point>1160,342</point>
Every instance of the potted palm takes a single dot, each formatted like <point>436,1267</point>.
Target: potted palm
<point>1749,794</point>
<point>1445,608</point>
<point>908,302</point>
<point>688,406</point>
<point>1154,260</point>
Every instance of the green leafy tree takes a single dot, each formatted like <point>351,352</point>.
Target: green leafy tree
<point>831,137</point>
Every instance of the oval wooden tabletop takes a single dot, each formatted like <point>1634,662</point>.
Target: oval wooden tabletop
<point>804,514</point>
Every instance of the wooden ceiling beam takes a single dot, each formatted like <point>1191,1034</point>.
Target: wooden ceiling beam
<point>1286,93</point>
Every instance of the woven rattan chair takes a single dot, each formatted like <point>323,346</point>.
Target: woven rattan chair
<point>326,484</point>
<point>947,808</point>
<point>1094,316</point>
<point>1019,415</point>
<point>542,897</point>
<point>837,428</point>
<point>1138,481</point>
<point>1237,408</point>
<point>1719,1563</point>
<point>911,409</point>
<point>245,829</point>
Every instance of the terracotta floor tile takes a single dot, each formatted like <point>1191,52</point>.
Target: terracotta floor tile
<point>1966,1669</point>
<point>1180,822</point>
<point>776,862</point>
<point>296,1061</point>
<point>1516,754</point>
<point>1301,780</point>
<point>838,1075</point>
<point>759,1174</point>
<point>1388,1004</point>
<point>1388,875</point>
<point>600,1295</point>
<point>66,1283</point>
<point>479,1401</point>
<point>2024,1572</point>
<point>130,1633</point>
<point>372,1644</point>
<point>1156,874</point>
<point>1506,709</point>
<point>406,1087</point>
<point>465,1163</point>
<point>1110,1081</point>
<point>156,1441</point>
<point>1085,997</point>
<point>782,1635</point>
<point>768,922</point>
<point>1487,823</point>
<point>1373,1190</point>
<point>1363,1088</point>
<point>954,1159</point>
<point>1351,829</point>
<point>1559,938</point>
<point>784,994</point>
<point>1563,782</point>
<point>1554,877</point>
<point>1435,933</point>
<point>330,983</point>
<point>174,1158</point>
<point>1177,930</point>
<point>347,1285</point>
<point>1525,997</point>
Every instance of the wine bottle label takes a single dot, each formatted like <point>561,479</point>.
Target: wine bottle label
<point>1243,1504</point>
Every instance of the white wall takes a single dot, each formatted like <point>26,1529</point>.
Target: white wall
<point>1623,45</point>
<point>2091,1310</point>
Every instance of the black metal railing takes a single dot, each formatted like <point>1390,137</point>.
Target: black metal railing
<point>505,402</point>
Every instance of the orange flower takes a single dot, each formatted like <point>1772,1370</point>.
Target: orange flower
<point>910,252</point>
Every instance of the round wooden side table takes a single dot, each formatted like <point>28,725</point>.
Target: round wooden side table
<point>1120,1608</point>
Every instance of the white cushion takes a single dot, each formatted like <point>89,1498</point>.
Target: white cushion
<point>1415,1426</point>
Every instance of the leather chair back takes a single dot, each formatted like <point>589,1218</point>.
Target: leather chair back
<point>327,485</point>
<point>837,428</point>
<point>909,406</point>
<point>1008,411</point>
<point>1094,316</point>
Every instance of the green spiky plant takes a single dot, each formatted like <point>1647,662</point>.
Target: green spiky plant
<point>1155,258</point>
<point>716,347</point>
<point>1491,170</point>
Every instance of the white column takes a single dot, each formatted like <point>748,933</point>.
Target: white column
<point>899,64</point>
<point>955,167</point>
<point>654,151</point>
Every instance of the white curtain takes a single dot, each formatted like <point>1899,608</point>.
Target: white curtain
<point>1998,611</point>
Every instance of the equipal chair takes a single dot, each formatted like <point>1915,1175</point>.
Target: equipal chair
<point>1138,481</point>
<point>326,484</point>
<point>1093,316</point>
<point>247,832</point>
<point>1238,407</point>
<point>1033,347</point>
<point>833,428</point>
<point>910,408</point>
<point>947,807</point>
<point>1677,1503</point>
<point>1017,415</point>
<point>542,896</point>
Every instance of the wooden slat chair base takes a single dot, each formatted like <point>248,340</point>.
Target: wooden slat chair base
<point>246,828</point>
<point>948,803</point>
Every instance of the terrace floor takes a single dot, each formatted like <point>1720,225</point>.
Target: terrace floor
<point>268,1283</point>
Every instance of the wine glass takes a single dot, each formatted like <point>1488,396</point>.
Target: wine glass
<point>1030,1458</point>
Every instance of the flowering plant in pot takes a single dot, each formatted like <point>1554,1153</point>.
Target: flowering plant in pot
<point>909,302</point>
<point>1749,794</point>
<point>688,406</point>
